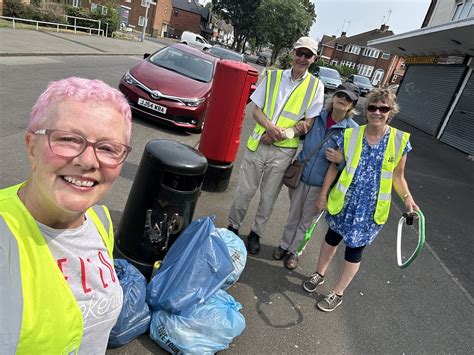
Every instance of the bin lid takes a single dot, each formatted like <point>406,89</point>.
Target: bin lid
<point>176,157</point>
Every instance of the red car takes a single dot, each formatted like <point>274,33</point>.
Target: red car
<point>171,85</point>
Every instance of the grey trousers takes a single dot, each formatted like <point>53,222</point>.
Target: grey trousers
<point>300,215</point>
<point>263,168</point>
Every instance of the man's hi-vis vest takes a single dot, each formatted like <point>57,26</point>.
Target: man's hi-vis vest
<point>293,110</point>
<point>38,312</point>
<point>353,137</point>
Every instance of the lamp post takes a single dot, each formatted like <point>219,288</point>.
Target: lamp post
<point>145,22</point>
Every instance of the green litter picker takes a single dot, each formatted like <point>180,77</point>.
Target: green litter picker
<point>408,218</point>
<point>308,234</point>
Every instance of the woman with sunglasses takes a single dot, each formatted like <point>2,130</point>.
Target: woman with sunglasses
<point>60,293</point>
<point>318,151</point>
<point>359,203</point>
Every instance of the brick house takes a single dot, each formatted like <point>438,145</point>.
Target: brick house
<point>326,48</point>
<point>188,15</point>
<point>354,52</point>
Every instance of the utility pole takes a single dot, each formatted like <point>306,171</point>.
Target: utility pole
<point>145,22</point>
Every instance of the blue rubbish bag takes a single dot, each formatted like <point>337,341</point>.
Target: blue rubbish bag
<point>197,264</point>
<point>238,254</point>
<point>210,328</point>
<point>135,317</point>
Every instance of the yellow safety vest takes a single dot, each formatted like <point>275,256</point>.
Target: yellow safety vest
<point>41,313</point>
<point>353,137</point>
<point>293,110</point>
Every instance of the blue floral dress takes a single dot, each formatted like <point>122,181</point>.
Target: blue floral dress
<point>355,223</point>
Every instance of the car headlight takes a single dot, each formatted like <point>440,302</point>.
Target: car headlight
<point>193,102</point>
<point>130,79</point>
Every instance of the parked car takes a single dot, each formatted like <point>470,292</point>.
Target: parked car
<point>364,84</point>
<point>330,78</point>
<point>224,53</point>
<point>195,40</point>
<point>172,86</point>
<point>262,60</point>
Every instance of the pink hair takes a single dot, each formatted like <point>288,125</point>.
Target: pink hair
<point>80,90</point>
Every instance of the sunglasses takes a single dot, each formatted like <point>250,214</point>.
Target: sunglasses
<point>342,95</point>
<point>382,109</point>
<point>307,55</point>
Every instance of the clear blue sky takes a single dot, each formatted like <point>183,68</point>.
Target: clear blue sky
<point>333,16</point>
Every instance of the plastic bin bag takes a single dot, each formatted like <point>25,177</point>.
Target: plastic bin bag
<point>210,328</point>
<point>135,317</point>
<point>238,254</point>
<point>197,264</point>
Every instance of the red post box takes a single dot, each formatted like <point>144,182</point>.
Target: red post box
<point>220,138</point>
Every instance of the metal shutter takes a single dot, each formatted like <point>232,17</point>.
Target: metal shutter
<point>425,94</point>
<point>459,132</point>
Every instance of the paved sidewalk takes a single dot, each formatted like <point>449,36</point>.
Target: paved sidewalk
<point>14,42</point>
<point>426,308</point>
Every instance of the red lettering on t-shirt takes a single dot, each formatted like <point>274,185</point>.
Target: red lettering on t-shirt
<point>60,265</point>
<point>83,277</point>
<point>105,284</point>
<point>107,264</point>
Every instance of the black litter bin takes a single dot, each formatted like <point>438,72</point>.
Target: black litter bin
<point>161,202</point>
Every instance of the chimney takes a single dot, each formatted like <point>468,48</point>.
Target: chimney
<point>343,34</point>
<point>333,36</point>
<point>384,28</point>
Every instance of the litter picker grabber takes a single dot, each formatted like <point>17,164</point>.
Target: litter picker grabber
<point>308,234</point>
<point>408,218</point>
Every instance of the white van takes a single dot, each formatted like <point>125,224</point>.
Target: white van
<point>195,40</point>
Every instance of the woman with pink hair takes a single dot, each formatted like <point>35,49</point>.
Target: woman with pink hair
<point>59,290</point>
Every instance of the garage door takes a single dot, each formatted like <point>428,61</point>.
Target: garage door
<point>459,132</point>
<point>425,94</point>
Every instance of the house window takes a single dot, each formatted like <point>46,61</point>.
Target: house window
<point>93,6</point>
<point>339,47</point>
<point>144,3</point>
<point>385,55</point>
<point>141,21</point>
<point>334,62</point>
<point>403,65</point>
<point>175,13</point>
<point>365,70</point>
<point>394,78</point>
<point>371,53</point>
<point>463,10</point>
<point>348,64</point>
<point>104,10</point>
<point>353,49</point>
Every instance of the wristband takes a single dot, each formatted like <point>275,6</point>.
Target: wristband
<point>404,197</point>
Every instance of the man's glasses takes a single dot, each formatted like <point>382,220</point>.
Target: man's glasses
<point>342,95</point>
<point>71,145</point>
<point>382,109</point>
<point>307,55</point>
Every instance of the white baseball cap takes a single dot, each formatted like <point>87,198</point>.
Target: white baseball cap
<point>307,42</point>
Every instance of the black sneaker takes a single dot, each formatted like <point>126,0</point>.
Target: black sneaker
<point>253,245</point>
<point>232,229</point>
<point>330,302</point>
<point>279,253</point>
<point>312,282</point>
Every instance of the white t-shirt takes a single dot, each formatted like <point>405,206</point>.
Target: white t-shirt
<point>84,261</point>
<point>287,86</point>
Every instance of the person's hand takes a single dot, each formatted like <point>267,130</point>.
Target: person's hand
<point>275,132</point>
<point>333,155</point>
<point>321,204</point>
<point>266,139</point>
<point>410,204</point>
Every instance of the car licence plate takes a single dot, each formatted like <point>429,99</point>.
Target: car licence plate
<point>151,105</point>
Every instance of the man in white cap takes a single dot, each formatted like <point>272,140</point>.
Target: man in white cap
<point>286,102</point>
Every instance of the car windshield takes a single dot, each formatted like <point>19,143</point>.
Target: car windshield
<point>327,73</point>
<point>184,63</point>
<point>362,80</point>
<point>225,54</point>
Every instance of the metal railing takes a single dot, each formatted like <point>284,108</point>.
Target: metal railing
<point>58,26</point>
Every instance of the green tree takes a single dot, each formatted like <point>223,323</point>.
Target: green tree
<point>282,22</point>
<point>243,15</point>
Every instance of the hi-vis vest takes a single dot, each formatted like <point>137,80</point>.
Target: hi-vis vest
<point>293,110</point>
<point>38,312</point>
<point>353,137</point>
